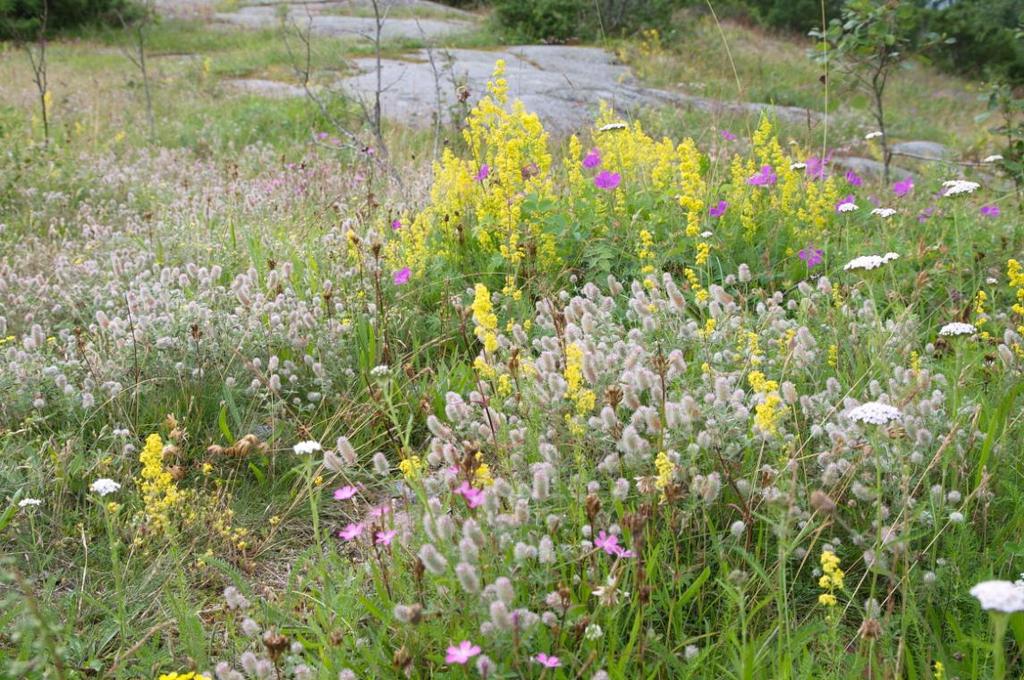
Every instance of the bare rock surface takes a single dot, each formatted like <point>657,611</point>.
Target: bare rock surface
<point>562,84</point>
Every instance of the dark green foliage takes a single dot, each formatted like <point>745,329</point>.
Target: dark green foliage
<point>562,20</point>
<point>22,19</point>
<point>985,37</point>
<point>794,15</point>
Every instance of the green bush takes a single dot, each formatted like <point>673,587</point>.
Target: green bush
<point>21,19</point>
<point>985,38</point>
<point>561,20</point>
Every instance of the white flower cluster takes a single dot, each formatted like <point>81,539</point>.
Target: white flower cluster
<point>29,502</point>
<point>847,206</point>
<point>869,262</point>
<point>873,135</point>
<point>957,328</point>
<point>104,486</point>
<point>992,159</point>
<point>875,413</point>
<point>307,447</point>
<point>955,187</point>
<point>999,596</point>
<point>883,212</point>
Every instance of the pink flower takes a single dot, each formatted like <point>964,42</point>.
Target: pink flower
<point>482,173</point>
<point>727,136</point>
<point>607,180</point>
<point>719,209</point>
<point>990,210</point>
<point>384,537</point>
<point>765,176</point>
<point>379,511</point>
<point>351,532</point>
<point>547,661</point>
<point>812,256</point>
<point>853,178</point>
<point>592,159</point>
<point>608,542</point>
<point>401,277</point>
<point>461,654</point>
<point>473,496</point>
<point>396,224</point>
<point>815,167</point>
<point>345,493</point>
<point>903,187</point>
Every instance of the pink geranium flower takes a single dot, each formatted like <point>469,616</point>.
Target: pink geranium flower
<point>990,210</point>
<point>482,173</point>
<point>401,277</point>
<point>853,178</point>
<point>462,653</point>
<point>727,136</point>
<point>718,210</point>
<point>903,187</point>
<point>765,177</point>
<point>384,537</point>
<point>396,224</point>
<point>607,180</point>
<point>592,159</point>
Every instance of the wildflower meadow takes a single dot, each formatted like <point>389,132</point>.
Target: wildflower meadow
<point>676,393</point>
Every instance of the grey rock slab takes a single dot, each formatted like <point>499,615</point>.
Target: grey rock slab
<point>273,89</point>
<point>922,150</point>
<point>562,84</point>
<point>321,22</point>
<point>869,167</point>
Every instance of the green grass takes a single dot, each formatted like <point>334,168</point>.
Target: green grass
<point>108,224</point>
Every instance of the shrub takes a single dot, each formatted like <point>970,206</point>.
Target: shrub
<point>560,20</point>
<point>20,19</point>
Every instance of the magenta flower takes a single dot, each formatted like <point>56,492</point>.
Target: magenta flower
<point>592,159</point>
<point>719,209</point>
<point>379,511</point>
<point>396,224</point>
<point>815,167</point>
<point>990,210</point>
<point>322,135</point>
<point>482,173</point>
<point>853,178</point>
<point>812,256</point>
<point>727,136</point>
<point>547,661</point>
<point>351,532</point>
<point>384,537</point>
<point>607,180</point>
<point>474,497</point>
<point>461,654</point>
<point>903,187</point>
<point>765,177</point>
<point>345,493</point>
<point>401,277</point>
<point>608,542</point>
<point>925,214</point>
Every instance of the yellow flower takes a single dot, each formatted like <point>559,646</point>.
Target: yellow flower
<point>412,467</point>
<point>484,318</point>
<point>159,492</point>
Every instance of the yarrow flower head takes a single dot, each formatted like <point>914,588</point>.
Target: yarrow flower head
<point>812,256</point>
<point>955,187</point>
<point>765,177</point>
<point>873,135</point>
<point>461,653</point>
<point>868,262</point>
<point>992,159</point>
<point>875,413</point>
<point>307,447</point>
<point>999,596</point>
<point>957,328</point>
<point>607,180</point>
<point>846,204</point>
<point>29,502</point>
<point>718,210</point>
<point>592,159</point>
<point>883,212</point>
<point>104,486</point>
